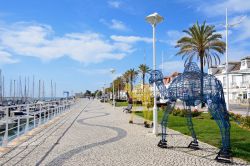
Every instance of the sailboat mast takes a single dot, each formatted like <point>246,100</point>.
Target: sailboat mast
<point>1,95</point>
<point>55,90</point>
<point>10,95</point>
<point>14,95</point>
<point>33,88</point>
<point>51,86</point>
<point>39,89</point>
<point>43,91</point>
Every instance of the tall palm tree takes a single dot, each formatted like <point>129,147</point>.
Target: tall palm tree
<point>119,85</point>
<point>204,43</point>
<point>143,69</point>
<point>132,76</point>
<point>125,77</point>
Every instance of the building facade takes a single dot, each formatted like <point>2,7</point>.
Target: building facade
<point>239,79</point>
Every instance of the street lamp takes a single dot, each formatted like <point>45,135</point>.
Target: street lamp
<point>113,71</point>
<point>227,77</point>
<point>104,92</point>
<point>154,19</point>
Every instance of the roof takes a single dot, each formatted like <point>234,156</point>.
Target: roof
<point>175,74</point>
<point>168,79</point>
<point>236,67</point>
<point>219,71</point>
<point>247,57</point>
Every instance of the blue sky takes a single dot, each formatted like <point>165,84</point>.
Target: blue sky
<point>76,42</point>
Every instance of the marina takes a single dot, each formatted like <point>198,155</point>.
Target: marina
<point>19,119</point>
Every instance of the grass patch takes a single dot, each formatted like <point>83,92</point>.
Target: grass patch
<point>121,104</point>
<point>208,131</point>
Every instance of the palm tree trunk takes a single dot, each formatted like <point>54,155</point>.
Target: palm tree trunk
<point>202,71</point>
<point>131,84</point>
<point>119,91</point>
<point>143,82</point>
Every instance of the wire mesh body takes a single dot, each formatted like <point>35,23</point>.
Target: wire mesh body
<point>194,87</point>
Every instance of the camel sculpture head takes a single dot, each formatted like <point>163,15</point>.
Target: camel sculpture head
<point>155,76</point>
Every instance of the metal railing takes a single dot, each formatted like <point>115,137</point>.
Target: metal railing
<point>35,115</point>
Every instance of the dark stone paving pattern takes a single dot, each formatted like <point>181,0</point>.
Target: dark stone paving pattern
<point>66,156</point>
<point>98,135</point>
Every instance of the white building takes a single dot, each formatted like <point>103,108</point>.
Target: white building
<point>239,79</point>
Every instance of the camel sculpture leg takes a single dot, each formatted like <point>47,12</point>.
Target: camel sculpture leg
<point>218,110</point>
<point>193,144</point>
<point>164,124</point>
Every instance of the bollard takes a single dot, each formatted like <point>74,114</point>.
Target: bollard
<point>47,114</point>
<point>54,111</point>
<point>18,126</point>
<point>27,118</point>
<point>34,121</point>
<point>40,114</point>
<point>44,115</point>
<point>6,133</point>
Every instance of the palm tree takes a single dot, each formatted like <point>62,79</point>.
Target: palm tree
<point>119,85</point>
<point>125,77</point>
<point>132,76</point>
<point>143,69</point>
<point>204,43</point>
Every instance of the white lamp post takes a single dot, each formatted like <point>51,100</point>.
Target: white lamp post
<point>104,96</point>
<point>113,71</point>
<point>227,78</point>
<point>154,19</point>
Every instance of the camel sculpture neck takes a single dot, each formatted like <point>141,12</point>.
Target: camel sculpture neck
<point>162,89</point>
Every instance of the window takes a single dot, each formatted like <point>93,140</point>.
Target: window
<point>233,81</point>
<point>242,63</point>
<point>224,81</point>
<point>245,78</point>
<point>244,95</point>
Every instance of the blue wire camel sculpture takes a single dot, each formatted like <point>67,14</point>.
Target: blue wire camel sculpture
<point>187,88</point>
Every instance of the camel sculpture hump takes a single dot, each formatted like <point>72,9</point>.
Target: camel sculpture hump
<point>187,86</point>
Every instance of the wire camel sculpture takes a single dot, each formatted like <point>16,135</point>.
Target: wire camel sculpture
<point>187,88</point>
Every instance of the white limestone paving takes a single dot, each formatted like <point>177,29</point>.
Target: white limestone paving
<point>93,133</point>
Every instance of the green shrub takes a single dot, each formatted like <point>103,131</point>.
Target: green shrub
<point>238,117</point>
<point>246,122</point>
<point>196,113</point>
<point>176,112</point>
<point>210,116</point>
<point>183,113</point>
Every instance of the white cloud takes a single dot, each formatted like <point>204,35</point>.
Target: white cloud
<point>242,28</point>
<point>95,71</point>
<point>100,72</point>
<point>115,24</point>
<point>172,66</point>
<point>218,8</point>
<point>131,39</point>
<point>118,25</point>
<point>6,58</point>
<point>173,36</point>
<point>114,4</point>
<point>40,41</point>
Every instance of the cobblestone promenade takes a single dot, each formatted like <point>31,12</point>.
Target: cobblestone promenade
<point>92,133</point>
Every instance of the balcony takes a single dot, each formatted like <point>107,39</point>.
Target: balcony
<point>234,85</point>
<point>245,84</point>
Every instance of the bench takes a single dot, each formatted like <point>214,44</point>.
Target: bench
<point>128,109</point>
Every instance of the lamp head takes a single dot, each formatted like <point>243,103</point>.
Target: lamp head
<point>154,18</point>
